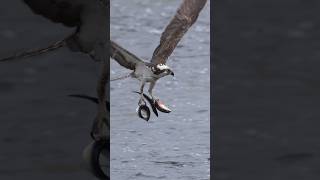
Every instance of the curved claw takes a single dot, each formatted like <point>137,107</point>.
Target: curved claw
<point>143,109</point>
<point>150,101</point>
<point>92,154</point>
<point>141,102</point>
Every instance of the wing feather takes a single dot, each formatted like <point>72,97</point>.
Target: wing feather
<point>124,57</point>
<point>184,18</point>
<point>66,12</point>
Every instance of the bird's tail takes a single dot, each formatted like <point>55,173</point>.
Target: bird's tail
<point>122,77</point>
<point>35,52</point>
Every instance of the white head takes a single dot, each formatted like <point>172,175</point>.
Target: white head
<point>162,70</point>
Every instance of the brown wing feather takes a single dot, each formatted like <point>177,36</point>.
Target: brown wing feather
<point>123,57</point>
<point>59,11</point>
<point>186,15</point>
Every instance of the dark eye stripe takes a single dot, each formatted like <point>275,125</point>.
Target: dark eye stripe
<point>158,71</point>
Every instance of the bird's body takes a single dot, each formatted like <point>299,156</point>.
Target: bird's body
<point>143,71</point>
<point>147,73</point>
<point>150,73</point>
<point>91,37</point>
<point>184,18</point>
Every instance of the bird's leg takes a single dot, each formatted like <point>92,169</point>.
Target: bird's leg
<point>141,101</point>
<point>101,126</point>
<point>152,84</point>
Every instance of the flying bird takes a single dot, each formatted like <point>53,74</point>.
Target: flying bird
<point>91,36</point>
<point>150,72</point>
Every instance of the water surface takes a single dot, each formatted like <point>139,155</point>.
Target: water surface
<point>172,146</point>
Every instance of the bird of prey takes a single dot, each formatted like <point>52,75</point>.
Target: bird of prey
<point>91,36</point>
<point>150,72</point>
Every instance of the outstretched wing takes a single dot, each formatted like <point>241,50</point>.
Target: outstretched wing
<point>184,18</point>
<point>89,16</point>
<point>123,57</point>
<point>66,12</point>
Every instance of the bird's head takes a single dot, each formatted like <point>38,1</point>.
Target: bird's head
<point>162,70</point>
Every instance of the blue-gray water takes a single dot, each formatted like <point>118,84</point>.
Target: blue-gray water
<point>173,146</point>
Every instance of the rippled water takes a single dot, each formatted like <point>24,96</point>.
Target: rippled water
<point>173,146</point>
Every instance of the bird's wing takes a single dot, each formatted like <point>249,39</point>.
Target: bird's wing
<point>184,18</point>
<point>59,11</point>
<point>105,2</point>
<point>123,57</point>
<point>90,17</point>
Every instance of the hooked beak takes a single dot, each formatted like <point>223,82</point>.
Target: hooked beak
<point>172,74</point>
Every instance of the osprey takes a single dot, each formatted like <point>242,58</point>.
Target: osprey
<point>91,36</point>
<point>143,71</point>
<point>150,72</point>
<point>81,15</point>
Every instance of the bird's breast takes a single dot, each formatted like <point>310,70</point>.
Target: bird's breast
<point>144,73</point>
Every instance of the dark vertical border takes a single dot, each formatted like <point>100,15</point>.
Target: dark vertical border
<point>108,84</point>
<point>211,88</point>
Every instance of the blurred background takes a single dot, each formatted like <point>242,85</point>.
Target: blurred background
<point>173,146</point>
<point>42,131</point>
<point>266,92</point>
